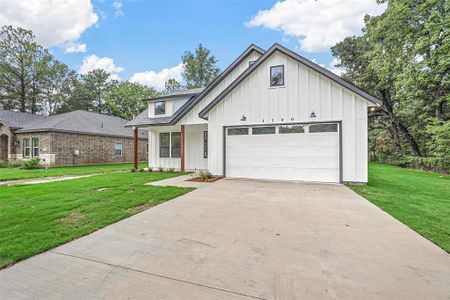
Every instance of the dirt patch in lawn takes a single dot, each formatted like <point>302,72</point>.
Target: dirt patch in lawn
<point>198,179</point>
<point>139,208</point>
<point>73,218</point>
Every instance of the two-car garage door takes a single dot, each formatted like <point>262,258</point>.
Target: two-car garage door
<point>306,152</point>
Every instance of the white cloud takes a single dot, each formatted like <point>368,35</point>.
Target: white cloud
<point>158,79</point>
<point>75,48</point>
<point>318,24</point>
<point>117,5</point>
<point>93,62</point>
<point>336,70</point>
<point>53,22</point>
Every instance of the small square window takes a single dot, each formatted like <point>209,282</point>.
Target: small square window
<point>238,131</point>
<point>160,108</point>
<point>263,130</point>
<point>277,75</point>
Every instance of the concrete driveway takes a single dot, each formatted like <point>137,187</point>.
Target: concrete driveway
<point>242,239</point>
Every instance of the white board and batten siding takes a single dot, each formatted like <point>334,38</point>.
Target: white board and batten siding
<point>192,116</point>
<point>194,159</point>
<point>305,90</point>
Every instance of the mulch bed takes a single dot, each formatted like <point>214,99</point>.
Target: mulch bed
<point>208,180</point>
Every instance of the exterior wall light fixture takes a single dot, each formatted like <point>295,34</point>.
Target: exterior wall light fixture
<point>312,115</point>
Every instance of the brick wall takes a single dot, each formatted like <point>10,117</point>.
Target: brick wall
<point>57,148</point>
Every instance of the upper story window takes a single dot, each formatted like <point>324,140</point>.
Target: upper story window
<point>160,108</point>
<point>277,75</point>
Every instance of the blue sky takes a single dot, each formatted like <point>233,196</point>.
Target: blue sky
<point>144,40</point>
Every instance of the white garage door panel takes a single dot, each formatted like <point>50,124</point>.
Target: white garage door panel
<point>298,156</point>
<point>319,175</point>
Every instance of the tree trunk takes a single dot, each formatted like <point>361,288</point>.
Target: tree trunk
<point>402,128</point>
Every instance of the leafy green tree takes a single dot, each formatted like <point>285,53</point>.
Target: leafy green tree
<point>200,67</point>
<point>21,60</point>
<point>402,58</point>
<point>125,99</point>
<point>171,85</point>
<point>58,84</point>
<point>90,92</point>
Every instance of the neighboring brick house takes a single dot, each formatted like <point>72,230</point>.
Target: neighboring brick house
<point>73,138</point>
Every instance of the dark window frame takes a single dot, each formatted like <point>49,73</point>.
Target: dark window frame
<point>282,78</point>
<point>155,104</point>
<point>26,147</point>
<point>205,144</point>
<point>161,147</point>
<point>175,152</point>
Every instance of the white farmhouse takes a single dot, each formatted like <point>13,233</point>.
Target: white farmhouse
<point>270,115</point>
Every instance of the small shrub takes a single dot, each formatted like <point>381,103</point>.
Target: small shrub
<point>133,170</point>
<point>160,169</point>
<point>31,164</point>
<point>12,163</point>
<point>205,175</point>
<point>171,170</point>
<point>141,170</point>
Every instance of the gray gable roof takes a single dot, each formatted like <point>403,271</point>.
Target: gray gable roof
<point>83,122</point>
<point>16,119</point>
<point>295,56</point>
<point>197,95</point>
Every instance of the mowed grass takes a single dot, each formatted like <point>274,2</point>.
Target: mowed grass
<point>421,200</point>
<point>15,174</point>
<point>35,218</point>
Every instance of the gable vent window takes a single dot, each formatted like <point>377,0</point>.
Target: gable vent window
<point>250,63</point>
<point>160,108</point>
<point>277,75</point>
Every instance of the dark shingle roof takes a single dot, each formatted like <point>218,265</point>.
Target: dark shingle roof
<point>16,119</point>
<point>85,122</point>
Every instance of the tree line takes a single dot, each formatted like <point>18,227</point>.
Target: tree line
<point>32,80</point>
<point>403,57</point>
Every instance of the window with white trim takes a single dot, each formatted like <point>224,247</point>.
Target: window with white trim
<point>118,148</point>
<point>26,147</point>
<point>164,144</point>
<point>35,145</point>
<point>175,144</point>
<point>160,107</point>
<point>205,144</point>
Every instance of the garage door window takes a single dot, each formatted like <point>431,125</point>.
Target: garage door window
<point>291,129</point>
<point>322,128</point>
<point>263,130</point>
<point>238,131</point>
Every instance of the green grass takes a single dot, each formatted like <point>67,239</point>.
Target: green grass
<point>419,199</point>
<point>15,174</point>
<point>35,218</point>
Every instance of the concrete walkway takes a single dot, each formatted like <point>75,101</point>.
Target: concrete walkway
<point>242,239</point>
<point>44,179</point>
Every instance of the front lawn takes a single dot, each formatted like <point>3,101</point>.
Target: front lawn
<point>14,174</point>
<point>419,199</point>
<point>35,218</point>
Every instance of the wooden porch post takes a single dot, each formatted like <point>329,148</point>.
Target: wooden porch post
<point>136,150</point>
<point>182,148</point>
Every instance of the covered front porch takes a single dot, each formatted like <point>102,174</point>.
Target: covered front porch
<point>178,147</point>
